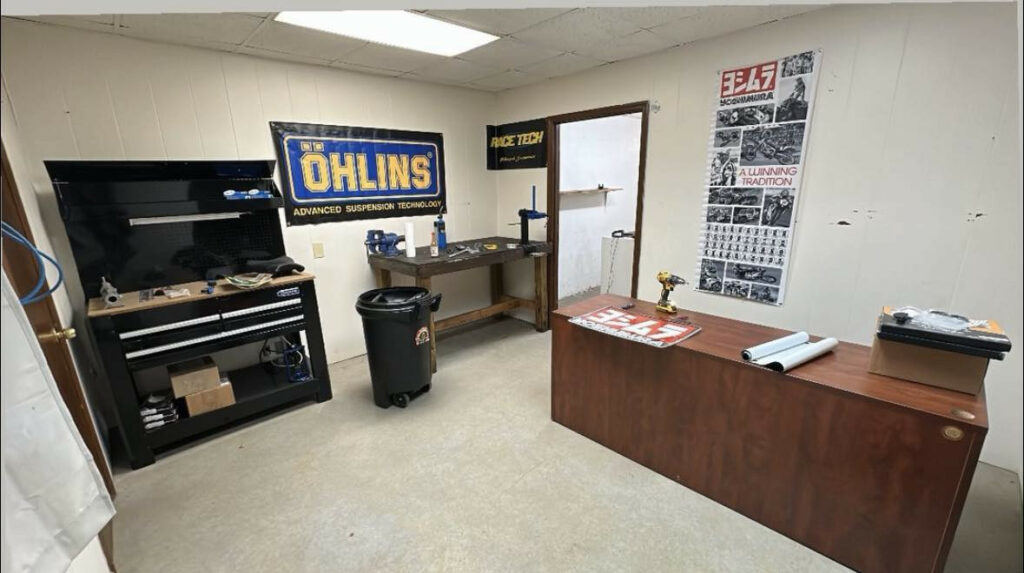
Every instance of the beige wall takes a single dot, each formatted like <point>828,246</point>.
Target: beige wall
<point>72,94</point>
<point>915,133</point>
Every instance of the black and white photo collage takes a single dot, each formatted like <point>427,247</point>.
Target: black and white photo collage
<point>747,230</point>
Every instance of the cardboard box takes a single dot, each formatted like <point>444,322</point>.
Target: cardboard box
<point>942,368</point>
<point>210,400</point>
<point>193,376</point>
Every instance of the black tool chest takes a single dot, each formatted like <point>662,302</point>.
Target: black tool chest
<point>152,224</point>
<point>132,341</point>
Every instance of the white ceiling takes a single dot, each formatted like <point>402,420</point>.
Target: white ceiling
<point>536,44</point>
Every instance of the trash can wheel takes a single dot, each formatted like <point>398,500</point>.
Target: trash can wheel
<point>400,400</point>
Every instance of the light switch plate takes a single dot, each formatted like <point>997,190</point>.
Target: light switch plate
<point>318,250</point>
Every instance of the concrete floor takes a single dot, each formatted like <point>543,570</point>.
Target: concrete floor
<point>472,477</point>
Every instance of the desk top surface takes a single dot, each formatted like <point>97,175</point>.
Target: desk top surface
<point>423,265</point>
<point>133,304</point>
<point>844,369</point>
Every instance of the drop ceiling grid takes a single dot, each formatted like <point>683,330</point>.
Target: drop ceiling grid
<point>533,44</point>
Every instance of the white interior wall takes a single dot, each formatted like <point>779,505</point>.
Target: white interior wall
<point>914,142</point>
<point>82,95</point>
<point>597,151</point>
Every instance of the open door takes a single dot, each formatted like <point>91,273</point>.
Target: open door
<point>596,161</point>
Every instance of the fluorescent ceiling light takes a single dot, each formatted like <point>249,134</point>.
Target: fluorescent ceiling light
<point>393,28</point>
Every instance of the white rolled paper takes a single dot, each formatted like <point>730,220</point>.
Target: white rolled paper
<point>774,346</point>
<point>410,241</point>
<point>793,357</point>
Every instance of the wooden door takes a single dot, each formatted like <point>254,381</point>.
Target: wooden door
<point>20,267</point>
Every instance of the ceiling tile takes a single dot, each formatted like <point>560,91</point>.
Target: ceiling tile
<point>454,70</point>
<point>303,41</point>
<point>778,12</point>
<point>714,21</point>
<point>366,69</point>
<point>652,16</point>
<point>209,28</point>
<point>508,53</point>
<point>99,23</point>
<point>390,58</point>
<point>631,46</point>
<point>506,80</point>
<point>500,22</point>
<point>561,66</point>
<point>576,31</point>
<point>275,55</point>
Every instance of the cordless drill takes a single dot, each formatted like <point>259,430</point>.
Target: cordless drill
<point>668,284</point>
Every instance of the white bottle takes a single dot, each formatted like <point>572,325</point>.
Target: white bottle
<point>434,252</point>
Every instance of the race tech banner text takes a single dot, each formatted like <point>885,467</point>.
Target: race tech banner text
<point>755,163</point>
<point>336,173</point>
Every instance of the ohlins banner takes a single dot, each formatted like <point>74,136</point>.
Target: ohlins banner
<point>519,145</point>
<point>335,173</point>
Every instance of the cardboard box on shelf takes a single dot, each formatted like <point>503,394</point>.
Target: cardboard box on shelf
<point>210,400</point>
<point>193,376</point>
<point>941,368</point>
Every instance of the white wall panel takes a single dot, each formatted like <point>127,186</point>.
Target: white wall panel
<point>140,99</point>
<point>912,137</point>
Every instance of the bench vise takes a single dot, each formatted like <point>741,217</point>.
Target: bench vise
<point>377,241</point>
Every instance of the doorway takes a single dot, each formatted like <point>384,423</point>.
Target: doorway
<point>595,203</point>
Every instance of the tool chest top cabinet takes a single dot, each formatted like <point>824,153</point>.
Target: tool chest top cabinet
<point>143,225</point>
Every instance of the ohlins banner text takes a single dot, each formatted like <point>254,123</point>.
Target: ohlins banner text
<point>336,173</point>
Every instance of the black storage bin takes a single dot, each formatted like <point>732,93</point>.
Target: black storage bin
<point>395,324</point>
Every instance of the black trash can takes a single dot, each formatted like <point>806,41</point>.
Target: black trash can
<point>395,324</point>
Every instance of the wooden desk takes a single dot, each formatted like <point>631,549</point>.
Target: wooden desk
<point>422,267</point>
<point>868,470</point>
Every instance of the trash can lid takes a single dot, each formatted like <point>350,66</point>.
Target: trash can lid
<point>391,297</point>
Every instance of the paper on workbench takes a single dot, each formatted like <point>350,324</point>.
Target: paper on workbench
<point>787,352</point>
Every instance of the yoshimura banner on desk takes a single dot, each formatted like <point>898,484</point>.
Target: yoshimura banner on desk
<point>756,158</point>
<point>336,173</point>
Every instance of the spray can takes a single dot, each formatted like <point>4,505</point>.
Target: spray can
<point>434,250</point>
<point>439,230</point>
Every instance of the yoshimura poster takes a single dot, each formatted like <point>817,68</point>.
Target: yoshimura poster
<point>755,164</point>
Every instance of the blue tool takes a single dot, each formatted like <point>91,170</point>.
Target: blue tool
<point>439,229</point>
<point>525,215</point>
<point>294,357</point>
<point>377,241</point>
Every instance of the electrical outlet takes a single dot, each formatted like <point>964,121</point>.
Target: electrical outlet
<point>318,250</point>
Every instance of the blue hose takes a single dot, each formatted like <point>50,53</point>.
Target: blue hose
<point>34,295</point>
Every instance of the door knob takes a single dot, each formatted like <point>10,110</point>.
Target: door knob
<point>58,335</point>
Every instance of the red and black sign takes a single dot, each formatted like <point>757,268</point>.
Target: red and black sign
<point>656,332</point>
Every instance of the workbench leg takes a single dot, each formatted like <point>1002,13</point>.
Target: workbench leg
<point>425,283</point>
<point>540,292</point>
<point>497,283</point>
<point>383,277</point>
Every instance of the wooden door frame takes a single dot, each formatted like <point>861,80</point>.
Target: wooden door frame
<point>554,198</point>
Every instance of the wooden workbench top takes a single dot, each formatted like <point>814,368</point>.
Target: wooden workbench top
<point>133,304</point>
<point>423,265</point>
<point>844,369</point>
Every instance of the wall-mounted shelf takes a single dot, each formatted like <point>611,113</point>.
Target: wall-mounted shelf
<point>593,191</point>
<point>603,191</point>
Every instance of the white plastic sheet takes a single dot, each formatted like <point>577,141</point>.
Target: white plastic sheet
<point>54,501</point>
<point>788,352</point>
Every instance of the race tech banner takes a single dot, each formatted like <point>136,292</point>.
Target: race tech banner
<point>755,163</point>
<point>335,173</point>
